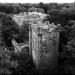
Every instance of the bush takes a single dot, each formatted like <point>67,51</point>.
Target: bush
<point>6,64</point>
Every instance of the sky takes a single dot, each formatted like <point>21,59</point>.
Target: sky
<point>37,1</point>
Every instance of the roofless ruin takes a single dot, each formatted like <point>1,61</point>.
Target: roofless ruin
<point>43,40</point>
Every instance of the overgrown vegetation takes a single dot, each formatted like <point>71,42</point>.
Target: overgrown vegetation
<point>63,14</point>
<point>7,64</point>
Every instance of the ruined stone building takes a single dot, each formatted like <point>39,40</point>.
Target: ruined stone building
<point>43,41</point>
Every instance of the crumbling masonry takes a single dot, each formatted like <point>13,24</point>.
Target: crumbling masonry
<point>44,41</point>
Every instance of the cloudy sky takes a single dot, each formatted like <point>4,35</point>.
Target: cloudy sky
<point>36,1</point>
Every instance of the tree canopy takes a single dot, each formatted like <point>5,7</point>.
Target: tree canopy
<point>8,28</point>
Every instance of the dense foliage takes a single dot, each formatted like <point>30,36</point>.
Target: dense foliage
<point>63,14</point>
<point>24,33</point>
<point>7,64</point>
<point>9,29</point>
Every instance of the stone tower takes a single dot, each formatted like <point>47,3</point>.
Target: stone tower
<point>44,42</point>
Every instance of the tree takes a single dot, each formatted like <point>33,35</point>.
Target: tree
<point>54,16</point>
<point>8,28</point>
<point>24,33</point>
<point>43,6</point>
<point>33,9</point>
<point>7,65</point>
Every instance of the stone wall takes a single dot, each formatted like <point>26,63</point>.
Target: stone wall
<point>44,43</point>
